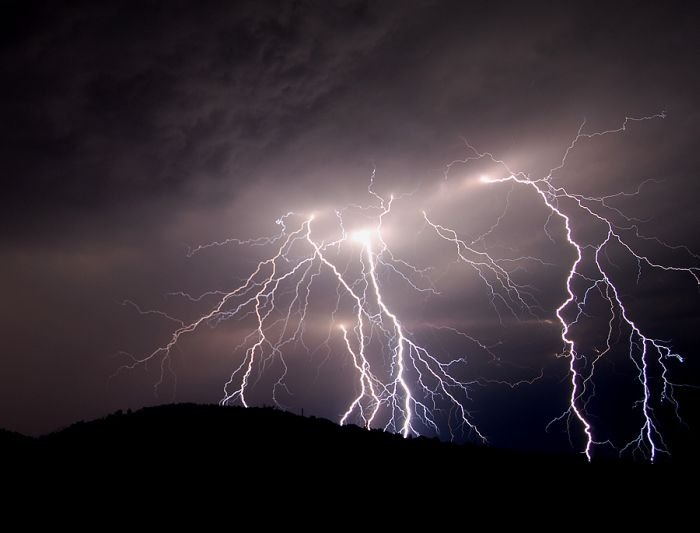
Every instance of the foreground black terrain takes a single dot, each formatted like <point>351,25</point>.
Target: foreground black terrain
<point>267,440</point>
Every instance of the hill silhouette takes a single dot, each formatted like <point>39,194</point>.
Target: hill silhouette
<point>207,458</point>
<point>193,436</point>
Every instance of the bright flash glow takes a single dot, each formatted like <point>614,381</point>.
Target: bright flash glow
<point>362,236</point>
<point>400,385</point>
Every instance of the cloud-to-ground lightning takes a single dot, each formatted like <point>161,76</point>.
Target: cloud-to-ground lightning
<point>642,349</point>
<point>401,384</point>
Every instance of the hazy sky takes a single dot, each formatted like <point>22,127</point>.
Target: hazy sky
<point>131,132</point>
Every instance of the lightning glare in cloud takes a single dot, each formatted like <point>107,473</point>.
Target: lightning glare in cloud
<point>400,384</point>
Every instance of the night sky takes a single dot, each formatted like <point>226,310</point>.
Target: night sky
<point>133,132</point>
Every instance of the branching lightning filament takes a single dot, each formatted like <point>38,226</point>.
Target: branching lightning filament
<point>399,383</point>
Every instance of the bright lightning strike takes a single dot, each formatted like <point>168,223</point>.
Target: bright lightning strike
<point>401,385</point>
<point>643,350</point>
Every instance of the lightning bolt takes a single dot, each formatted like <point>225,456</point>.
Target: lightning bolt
<point>400,385</point>
<point>642,349</point>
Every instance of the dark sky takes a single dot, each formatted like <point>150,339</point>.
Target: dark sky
<point>130,131</point>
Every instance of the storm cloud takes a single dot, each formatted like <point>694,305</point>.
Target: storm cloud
<point>134,131</point>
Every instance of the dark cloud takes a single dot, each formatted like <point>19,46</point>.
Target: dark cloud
<point>108,104</point>
<point>130,131</point>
